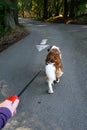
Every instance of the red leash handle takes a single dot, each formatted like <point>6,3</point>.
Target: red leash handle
<point>12,98</point>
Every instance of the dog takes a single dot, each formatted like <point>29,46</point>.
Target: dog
<point>53,67</point>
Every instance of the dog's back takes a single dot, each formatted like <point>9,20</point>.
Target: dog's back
<point>54,57</point>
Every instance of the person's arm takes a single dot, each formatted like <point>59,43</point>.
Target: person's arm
<point>8,109</point>
<point>5,114</point>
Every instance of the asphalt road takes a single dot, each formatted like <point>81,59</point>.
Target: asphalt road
<point>66,109</point>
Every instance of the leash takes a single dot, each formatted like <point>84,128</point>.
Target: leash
<point>13,98</point>
<point>22,91</point>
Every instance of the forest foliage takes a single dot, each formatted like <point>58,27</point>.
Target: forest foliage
<point>40,9</point>
<point>48,8</point>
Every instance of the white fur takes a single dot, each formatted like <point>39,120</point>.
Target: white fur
<point>50,72</point>
<point>55,47</point>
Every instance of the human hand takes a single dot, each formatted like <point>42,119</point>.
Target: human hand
<point>11,103</point>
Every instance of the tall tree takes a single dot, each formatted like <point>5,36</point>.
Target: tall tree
<point>65,9</point>
<point>45,9</point>
<point>72,8</point>
<point>22,7</point>
<point>57,7</point>
<point>15,11</point>
<point>7,18</point>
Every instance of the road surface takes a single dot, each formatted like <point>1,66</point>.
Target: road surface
<point>66,109</point>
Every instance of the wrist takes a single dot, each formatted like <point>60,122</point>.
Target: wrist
<point>5,111</point>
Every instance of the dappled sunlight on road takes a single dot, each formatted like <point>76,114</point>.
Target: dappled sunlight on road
<point>22,128</point>
<point>84,26</point>
<point>31,22</point>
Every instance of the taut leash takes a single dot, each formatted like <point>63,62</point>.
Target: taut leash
<point>22,91</point>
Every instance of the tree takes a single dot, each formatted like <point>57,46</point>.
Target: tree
<point>22,7</point>
<point>45,9</point>
<point>73,8</point>
<point>48,8</point>
<point>56,7</point>
<point>82,7</point>
<point>15,11</point>
<point>65,9</point>
<point>8,15</point>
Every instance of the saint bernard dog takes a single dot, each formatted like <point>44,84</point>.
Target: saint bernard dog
<point>53,67</point>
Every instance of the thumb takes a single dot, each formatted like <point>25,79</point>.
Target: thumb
<point>15,104</point>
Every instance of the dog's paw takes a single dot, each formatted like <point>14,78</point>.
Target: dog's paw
<point>50,91</point>
<point>58,81</point>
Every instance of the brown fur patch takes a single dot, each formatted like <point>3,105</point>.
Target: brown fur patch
<point>54,57</point>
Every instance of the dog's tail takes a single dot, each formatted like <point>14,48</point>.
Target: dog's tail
<point>50,72</point>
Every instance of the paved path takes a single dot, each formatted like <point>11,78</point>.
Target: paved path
<point>66,109</point>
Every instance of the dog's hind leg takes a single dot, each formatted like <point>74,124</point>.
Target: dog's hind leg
<point>59,73</point>
<point>50,89</point>
<point>57,80</point>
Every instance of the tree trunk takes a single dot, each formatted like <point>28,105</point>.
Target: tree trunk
<point>45,11</point>
<point>57,8</point>
<point>72,8</point>
<point>9,21</point>
<point>15,11</point>
<point>22,1</point>
<point>65,9</point>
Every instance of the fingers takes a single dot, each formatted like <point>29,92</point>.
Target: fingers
<point>12,106</point>
<point>15,104</point>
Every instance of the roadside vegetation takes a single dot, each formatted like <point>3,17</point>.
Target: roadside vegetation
<point>60,11</point>
<point>65,11</point>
